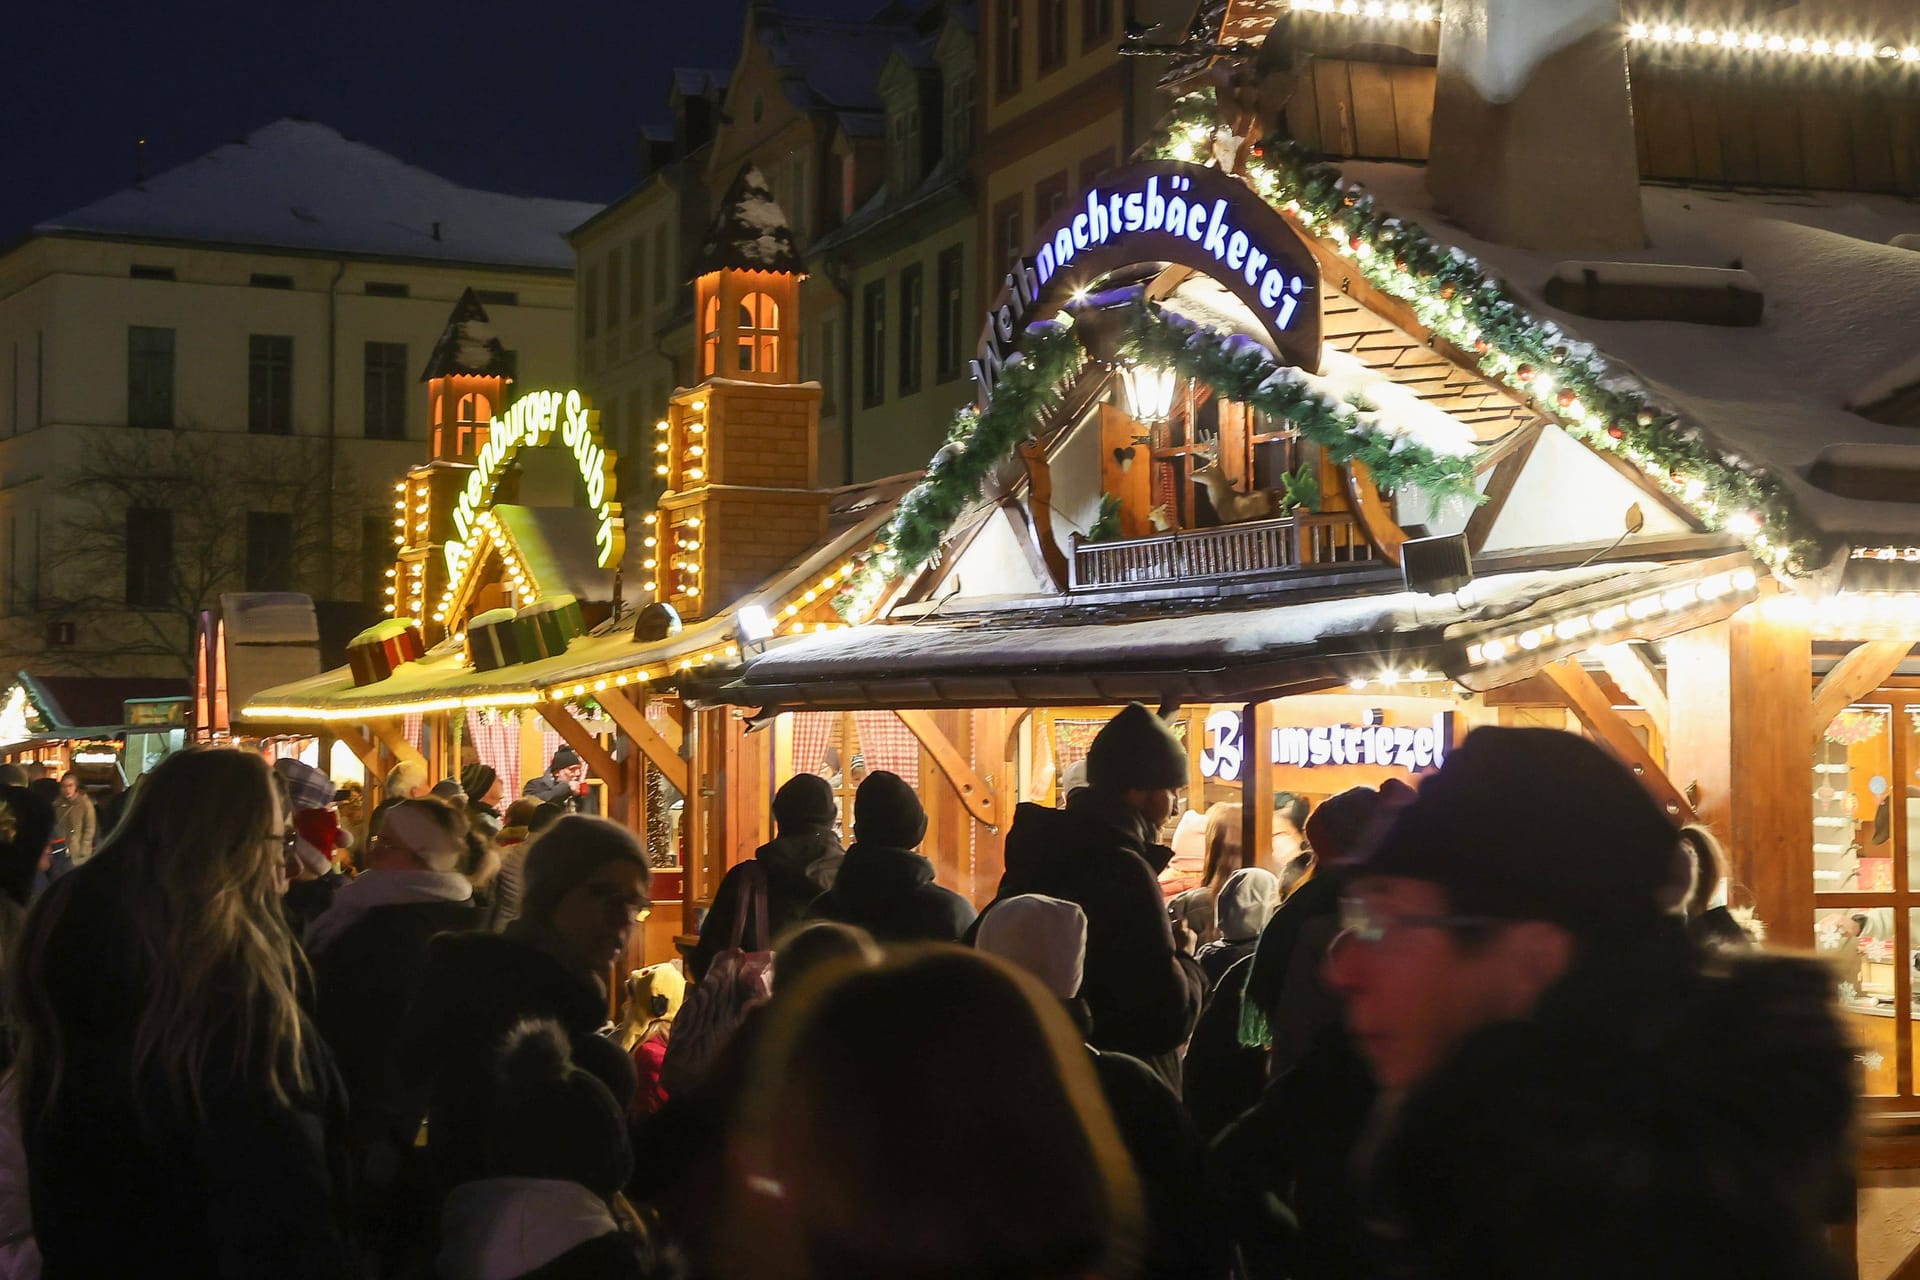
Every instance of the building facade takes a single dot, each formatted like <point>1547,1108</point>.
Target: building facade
<point>208,383</point>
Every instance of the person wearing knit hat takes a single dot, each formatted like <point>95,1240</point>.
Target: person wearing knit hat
<point>558,1155</point>
<point>1103,852</point>
<point>884,886</point>
<point>564,783</point>
<point>800,863</point>
<point>481,783</point>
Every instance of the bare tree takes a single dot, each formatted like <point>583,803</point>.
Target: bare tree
<point>207,483</point>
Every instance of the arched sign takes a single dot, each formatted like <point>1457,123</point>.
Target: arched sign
<point>533,419</point>
<point>1185,214</point>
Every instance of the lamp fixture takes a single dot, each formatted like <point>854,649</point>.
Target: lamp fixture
<point>1149,390</point>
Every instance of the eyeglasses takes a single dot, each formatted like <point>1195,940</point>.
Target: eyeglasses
<point>1359,922</point>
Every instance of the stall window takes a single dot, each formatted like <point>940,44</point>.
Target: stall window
<point>759,334</point>
<point>1866,869</point>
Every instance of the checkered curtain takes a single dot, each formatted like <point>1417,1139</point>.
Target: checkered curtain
<point>886,743</point>
<point>812,731</point>
<point>410,730</point>
<point>498,747</point>
<point>1071,738</point>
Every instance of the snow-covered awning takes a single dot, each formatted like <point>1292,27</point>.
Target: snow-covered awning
<point>1497,630</point>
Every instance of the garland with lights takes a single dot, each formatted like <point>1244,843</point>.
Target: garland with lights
<point>1458,300</point>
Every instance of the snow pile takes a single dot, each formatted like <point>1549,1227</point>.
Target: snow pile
<point>1900,376</point>
<point>751,232</point>
<point>1906,240</point>
<point>467,344</point>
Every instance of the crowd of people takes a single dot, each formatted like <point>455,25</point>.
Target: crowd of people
<point>1496,1026</point>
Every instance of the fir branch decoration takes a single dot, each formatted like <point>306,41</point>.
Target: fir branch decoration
<point>1239,368</point>
<point>1455,297</point>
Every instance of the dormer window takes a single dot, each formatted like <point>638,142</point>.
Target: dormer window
<point>960,112</point>
<point>905,132</point>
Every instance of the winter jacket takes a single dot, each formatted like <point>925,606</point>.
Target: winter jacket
<point>368,952</point>
<point>125,1179</point>
<point>1182,1237</point>
<point>537,1229</point>
<point>307,900</point>
<point>504,909</point>
<point>1652,1118</point>
<point>648,1096</point>
<point>798,867</point>
<point>74,821</point>
<point>1216,958</point>
<point>553,790</point>
<point>477,987</point>
<point>484,818</point>
<point>1220,1077</point>
<point>1143,994</point>
<point>891,894</point>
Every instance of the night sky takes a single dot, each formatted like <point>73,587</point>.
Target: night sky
<point>534,98</point>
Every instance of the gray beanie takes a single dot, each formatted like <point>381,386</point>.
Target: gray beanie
<point>1136,749</point>
<point>568,852</point>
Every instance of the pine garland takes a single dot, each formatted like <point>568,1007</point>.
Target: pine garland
<point>1455,297</point>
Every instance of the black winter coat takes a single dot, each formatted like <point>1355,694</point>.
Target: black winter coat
<point>785,861</point>
<point>891,894</point>
<point>476,988</point>
<point>1183,1239</point>
<point>1221,1077</point>
<point>1143,994</point>
<point>364,983</point>
<point>552,790</point>
<point>124,1180</point>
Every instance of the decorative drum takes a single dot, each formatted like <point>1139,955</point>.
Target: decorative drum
<point>549,624</point>
<point>492,641</point>
<point>374,653</point>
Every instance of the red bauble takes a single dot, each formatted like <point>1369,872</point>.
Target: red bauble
<point>1524,373</point>
<point>1616,433</point>
<point>1482,346</point>
<point>1353,243</point>
<point>1446,292</point>
<point>1566,398</point>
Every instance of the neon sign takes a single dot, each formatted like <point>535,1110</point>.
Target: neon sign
<point>1375,744</point>
<point>1185,214</point>
<point>533,420</point>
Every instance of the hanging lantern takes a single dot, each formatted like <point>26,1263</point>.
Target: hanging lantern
<point>1149,391</point>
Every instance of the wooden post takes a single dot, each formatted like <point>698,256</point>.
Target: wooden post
<point>1256,787</point>
<point>701,876</point>
<point>1196,742</point>
<point>1741,743</point>
<point>1590,704</point>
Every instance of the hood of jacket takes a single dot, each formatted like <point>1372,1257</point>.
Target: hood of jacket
<point>873,874</point>
<point>500,1228</point>
<point>1247,901</point>
<point>796,861</point>
<point>382,888</point>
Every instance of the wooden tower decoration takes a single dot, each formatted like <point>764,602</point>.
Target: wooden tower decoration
<point>739,450</point>
<point>466,379</point>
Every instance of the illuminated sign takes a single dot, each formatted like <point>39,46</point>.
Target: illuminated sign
<point>1375,744</point>
<point>530,421</point>
<point>1162,212</point>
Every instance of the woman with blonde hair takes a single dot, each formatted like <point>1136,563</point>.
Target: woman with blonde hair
<point>180,1114</point>
<point>654,996</point>
<point>876,1140</point>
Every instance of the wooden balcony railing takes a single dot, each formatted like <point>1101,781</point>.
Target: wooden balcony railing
<point>1229,551</point>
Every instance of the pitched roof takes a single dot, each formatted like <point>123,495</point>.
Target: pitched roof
<point>833,63</point>
<point>301,186</point>
<point>467,344</point>
<point>750,233</point>
<point>95,702</point>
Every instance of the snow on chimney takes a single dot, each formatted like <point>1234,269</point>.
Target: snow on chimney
<point>1533,125</point>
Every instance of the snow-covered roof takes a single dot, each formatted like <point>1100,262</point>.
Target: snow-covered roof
<point>831,63</point>
<point>749,233</point>
<point>301,186</point>
<point>1837,331</point>
<point>467,345</point>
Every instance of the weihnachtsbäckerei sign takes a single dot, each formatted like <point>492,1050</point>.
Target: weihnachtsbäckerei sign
<point>1162,212</point>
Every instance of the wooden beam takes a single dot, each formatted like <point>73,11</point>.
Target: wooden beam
<point>1864,669</point>
<point>387,731</point>
<point>633,722</point>
<point>1637,677</point>
<point>1370,509</point>
<point>1506,473</point>
<point>1040,512</point>
<point>364,747</point>
<point>1256,787</point>
<point>972,789</point>
<point>575,735</point>
<point>1586,700</point>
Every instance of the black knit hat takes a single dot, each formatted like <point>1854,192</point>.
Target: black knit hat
<point>1136,749</point>
<point>564,757</point>
<point>477,779</point>
<point>804,800</point>
<point>553,1120</point>
<point>1536,824</point>
<point>568,852</point>
<point>886,811</point>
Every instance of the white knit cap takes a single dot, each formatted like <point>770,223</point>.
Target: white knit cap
<point>1045,936</point>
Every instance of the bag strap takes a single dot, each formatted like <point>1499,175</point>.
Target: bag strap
<point>755,877</point>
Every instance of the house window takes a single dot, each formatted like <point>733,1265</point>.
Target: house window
<point>636,277</point>
<point>616,276</point>
<point>386,289</point>
<point>269,551</point>
<point>149,557</point>
<point>1006,235</point>
<point>149,377</point>
<point>139,272</point>
<point>590,293</point>
<point>1053,34</point>
<point>497,297</point>
<point>906,150</point>
<point>759,337</point>
<point>1096,22</point>
<point>948,322</point>
<point>710,342</point>
<point>261,280</point>
<point>386,390</point>
<point>269,384</point>
<point>873,318</point>
<point>912,293</point>
<point>1095,165</point>
<point>1049,194</point>
<point>960,112</point>
<point>1006,50</point>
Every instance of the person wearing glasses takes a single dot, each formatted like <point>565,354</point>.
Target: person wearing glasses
<point>1572,1088</point>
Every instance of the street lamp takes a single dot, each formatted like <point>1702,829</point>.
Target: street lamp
<point>1149,391</point>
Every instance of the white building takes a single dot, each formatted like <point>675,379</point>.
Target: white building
<point>208,383</point>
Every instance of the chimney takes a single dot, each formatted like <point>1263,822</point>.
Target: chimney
<point>1533,125</point>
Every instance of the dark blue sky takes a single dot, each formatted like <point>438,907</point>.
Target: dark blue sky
<point>510,95</point>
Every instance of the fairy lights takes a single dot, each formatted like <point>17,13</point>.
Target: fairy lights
<point>1614,620</point>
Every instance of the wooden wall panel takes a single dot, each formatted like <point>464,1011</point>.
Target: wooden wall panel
<point>1375,123</point>
<point>1413,110</point>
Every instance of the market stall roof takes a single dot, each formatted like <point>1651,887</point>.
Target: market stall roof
<point>47,709</point>
<point>1788,392</point>
<point>445,680</point>
<point>1066,656</point>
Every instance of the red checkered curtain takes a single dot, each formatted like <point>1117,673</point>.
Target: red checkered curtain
<point>498,746</point>
<point>886,743</point>
<point>812,731</point>
<point>1071,738</point>
<point>410,730</point>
